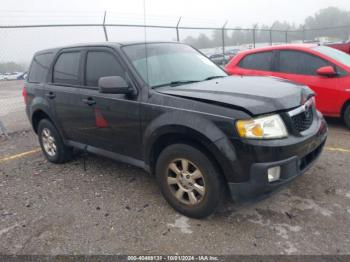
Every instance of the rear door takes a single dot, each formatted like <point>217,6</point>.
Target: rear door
<point>116,117</point>
<point>37,76</point>
<point>63,92</point>
<point>301,67</point>
<point>256,64</point>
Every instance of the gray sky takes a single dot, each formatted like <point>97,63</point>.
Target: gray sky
<point>211,12</point>
<point>19,44</point>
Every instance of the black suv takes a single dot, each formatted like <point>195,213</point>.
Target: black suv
<point>165,107</point>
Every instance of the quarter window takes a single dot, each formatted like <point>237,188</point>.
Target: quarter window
<point>66,69</point>
<point>40,68</point>
<point>259,61</point>
<point>296,62</point>
<point>100,64</point>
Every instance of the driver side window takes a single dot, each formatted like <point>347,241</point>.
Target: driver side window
<point>297,62</point>
<point>100,64</point>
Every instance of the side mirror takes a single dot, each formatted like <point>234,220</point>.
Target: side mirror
<point>113,85</point>
<point>327,71</point>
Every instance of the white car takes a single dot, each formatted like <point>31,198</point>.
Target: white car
<point>11,76</point>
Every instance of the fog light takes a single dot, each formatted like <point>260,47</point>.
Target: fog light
<point>274,173</point>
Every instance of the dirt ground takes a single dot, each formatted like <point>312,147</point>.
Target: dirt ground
<point>113,208</point>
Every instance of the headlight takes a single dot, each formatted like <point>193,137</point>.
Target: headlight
<point>268,127</point>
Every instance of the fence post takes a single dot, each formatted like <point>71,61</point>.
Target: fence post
<point>254,29</point>
<point>104,26</point>
<point>303,34</point>
<point>271,28</point>
<point>177,30</point>
<point>223,38</point>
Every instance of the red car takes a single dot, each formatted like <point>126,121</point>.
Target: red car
<point>324,69</point>
<point>345,47</point>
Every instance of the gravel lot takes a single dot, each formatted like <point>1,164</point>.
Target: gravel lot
<point>112,208</point>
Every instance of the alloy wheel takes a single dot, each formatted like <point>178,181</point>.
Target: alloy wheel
<point>48,142</point>
<point>186,181</point>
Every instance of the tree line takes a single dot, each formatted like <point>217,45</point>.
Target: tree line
<point>330,22</point>
<point>9,67</point>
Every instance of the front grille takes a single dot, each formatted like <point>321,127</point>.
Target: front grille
<point>302,117</point>
<point>303,120</point>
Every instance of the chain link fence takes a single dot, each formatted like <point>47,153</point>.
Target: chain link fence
<point>19,42</point>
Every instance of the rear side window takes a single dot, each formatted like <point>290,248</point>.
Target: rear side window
<point>296,62</point>
<point>100,64</point>
<point>259,61</point>
<point>66,69</point>
<point>39,68</point>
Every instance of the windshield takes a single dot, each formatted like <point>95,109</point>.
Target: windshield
<point>335,54</point>
<point>169,63</point>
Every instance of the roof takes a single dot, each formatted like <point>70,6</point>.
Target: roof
<point>279,47</point>
<point>108,44</point>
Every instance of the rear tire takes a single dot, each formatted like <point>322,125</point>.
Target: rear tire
<point>346,116</point>
<point>189,181</point>
<point>52,144</point>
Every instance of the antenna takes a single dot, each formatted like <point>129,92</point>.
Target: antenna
<point>145,32</point>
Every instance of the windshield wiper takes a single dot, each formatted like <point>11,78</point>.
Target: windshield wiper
<point>184,82</point>
<point>213,77</point>
<point>177,83</point>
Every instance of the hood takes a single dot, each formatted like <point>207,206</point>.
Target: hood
<point>257,95</point>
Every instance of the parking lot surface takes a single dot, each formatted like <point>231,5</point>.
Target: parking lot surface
<point>113,208</point>
<point>12,113</point>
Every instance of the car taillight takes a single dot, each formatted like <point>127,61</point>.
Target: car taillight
<point>25,95</point>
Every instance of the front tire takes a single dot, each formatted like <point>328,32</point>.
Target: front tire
<point>189,181</point>
<point>346,116</point>
<point>52,144</point>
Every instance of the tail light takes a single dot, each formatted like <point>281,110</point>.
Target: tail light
<point>25,95</point>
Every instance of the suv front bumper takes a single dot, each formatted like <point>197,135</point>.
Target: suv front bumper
<point>259,186</point>
<point>294,156</point>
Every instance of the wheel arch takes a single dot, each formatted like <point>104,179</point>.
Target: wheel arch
<point>39,113</point>
<point>345,105</point>
<point>37,116</point>
<point>197,129</point>
<point>222,154</point>
<point>182,135</point>
<point>38,109</point>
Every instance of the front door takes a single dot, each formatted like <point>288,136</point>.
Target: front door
<point>116,117</point>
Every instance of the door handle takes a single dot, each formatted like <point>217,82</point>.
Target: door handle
<point>89,101</point>
<point>50,95</point>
